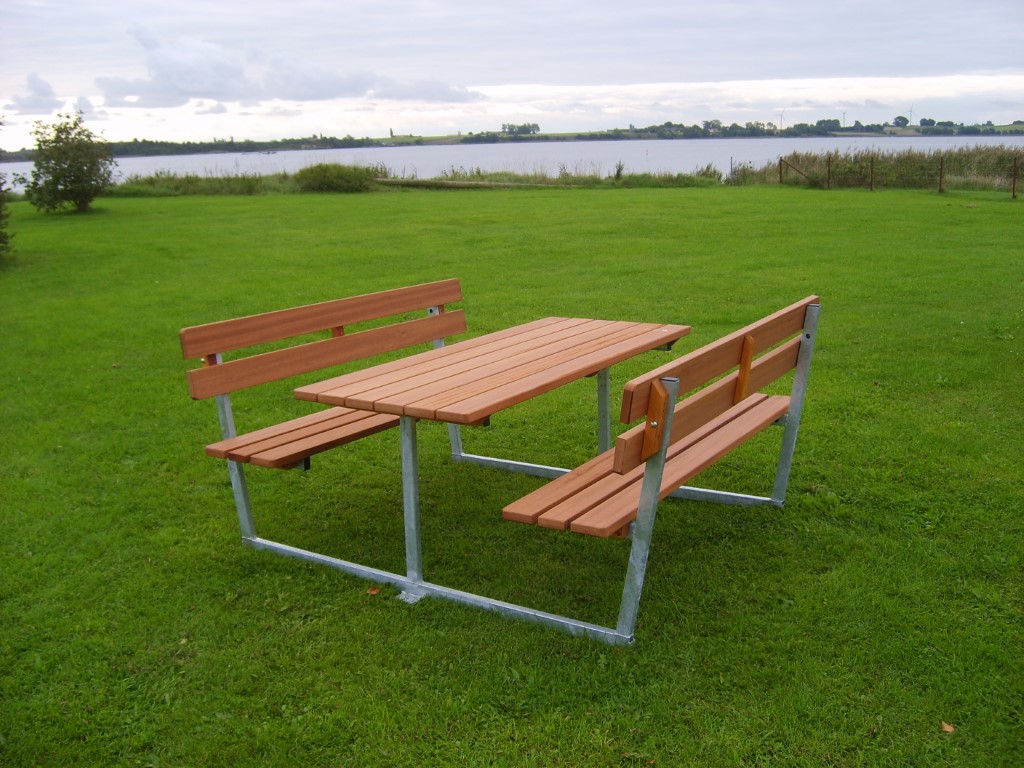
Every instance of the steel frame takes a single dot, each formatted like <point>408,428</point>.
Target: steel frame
<point>414,587</point>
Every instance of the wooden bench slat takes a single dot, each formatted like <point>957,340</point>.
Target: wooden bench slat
<point>288,456</point>
<point>577,495</point>
<point>220,449</point>
<point>714,359</point>
<point>247,445</point>
<point>227,335</point>
<point>709,402</point>
<point>287,443</point>
<point>528,508</point>
<point>610,516</point>
<point>227,377</point>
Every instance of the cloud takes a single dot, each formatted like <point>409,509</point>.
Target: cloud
<point>185,70</point>
<point>214,109</point>
<point>423,90</point>
<point>40,100</point>
<point>190,68</point>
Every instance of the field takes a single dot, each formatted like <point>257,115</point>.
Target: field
<point>876,620</point>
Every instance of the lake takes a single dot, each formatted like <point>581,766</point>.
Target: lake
<point>549,157</point>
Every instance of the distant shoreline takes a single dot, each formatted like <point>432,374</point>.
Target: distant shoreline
<point>667,132</point>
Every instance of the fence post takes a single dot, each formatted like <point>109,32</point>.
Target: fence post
<point>1013,182</point>
<point>872,181</point>
<point>828,171</point>
<point>780,170</point>
<point>942,171</point>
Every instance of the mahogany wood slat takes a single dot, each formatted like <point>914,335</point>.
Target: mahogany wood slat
<point>315,355</point>
<point>709,402</point>
<point>228,335</point>
<point>419,363</point>
<point>467,382</point>
<point>290,454</point>
<point>290,443</point>
<point>611,515</point>
<point>557,503</point>
<point>716,358</point>
<point>482,372</point>
<point>715,416</point>
<point>577,366</point>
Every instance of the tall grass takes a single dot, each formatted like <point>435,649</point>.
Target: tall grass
<point>846,629</point>
<point>963,168</point>
<point>170,184</point>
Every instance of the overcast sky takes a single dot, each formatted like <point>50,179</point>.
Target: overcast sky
<point>203,69</point>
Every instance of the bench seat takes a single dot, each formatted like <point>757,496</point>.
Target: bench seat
<point>596,500</point>
<point>290,443</point>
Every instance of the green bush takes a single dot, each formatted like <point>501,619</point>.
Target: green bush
<point>72,165</point>
<point>333,177</point>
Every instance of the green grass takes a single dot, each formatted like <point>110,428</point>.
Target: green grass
<point>843,630</point>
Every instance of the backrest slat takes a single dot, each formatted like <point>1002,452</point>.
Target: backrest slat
<point>228,335</point>
<point>712,400</point>
<point>714,359</point>
<point>280,364</point>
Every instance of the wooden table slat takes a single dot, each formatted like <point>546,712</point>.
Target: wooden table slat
<point>466,382</point>
<point>427,404</point>
<point>458,368</point>
<point>432,359</point>
<point>475,409</point>
<point>485,372</point>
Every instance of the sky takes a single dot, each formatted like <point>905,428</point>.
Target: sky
<point>199,70</point>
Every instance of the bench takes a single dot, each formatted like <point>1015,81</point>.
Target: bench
<point>314,337</point>
<point>617,493</point>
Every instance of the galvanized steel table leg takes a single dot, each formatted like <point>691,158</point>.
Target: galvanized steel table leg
<point>604,411</point>
<point>411,503</point>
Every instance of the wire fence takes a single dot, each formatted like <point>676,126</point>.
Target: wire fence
<point>997,168</point>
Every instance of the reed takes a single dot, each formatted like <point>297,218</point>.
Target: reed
<point>967,168</point>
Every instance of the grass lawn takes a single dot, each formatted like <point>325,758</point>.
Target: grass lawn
<point>884,601</point>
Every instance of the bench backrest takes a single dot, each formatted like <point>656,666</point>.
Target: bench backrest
<point>760,353</point>
<point>210,341</point>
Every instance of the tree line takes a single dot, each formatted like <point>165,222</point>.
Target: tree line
<point>150,148</point>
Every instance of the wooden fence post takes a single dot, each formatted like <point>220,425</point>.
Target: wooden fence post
<point>1013,182</point>
<point>942,170</point>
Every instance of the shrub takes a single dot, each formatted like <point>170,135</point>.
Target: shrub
<point>333,177</point>
<point>72,166</point>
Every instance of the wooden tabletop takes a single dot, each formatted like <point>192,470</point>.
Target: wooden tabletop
<point>466,382</point>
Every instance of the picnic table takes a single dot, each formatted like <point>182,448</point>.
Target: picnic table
<point>466,383</point>
<point>727,392</point>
